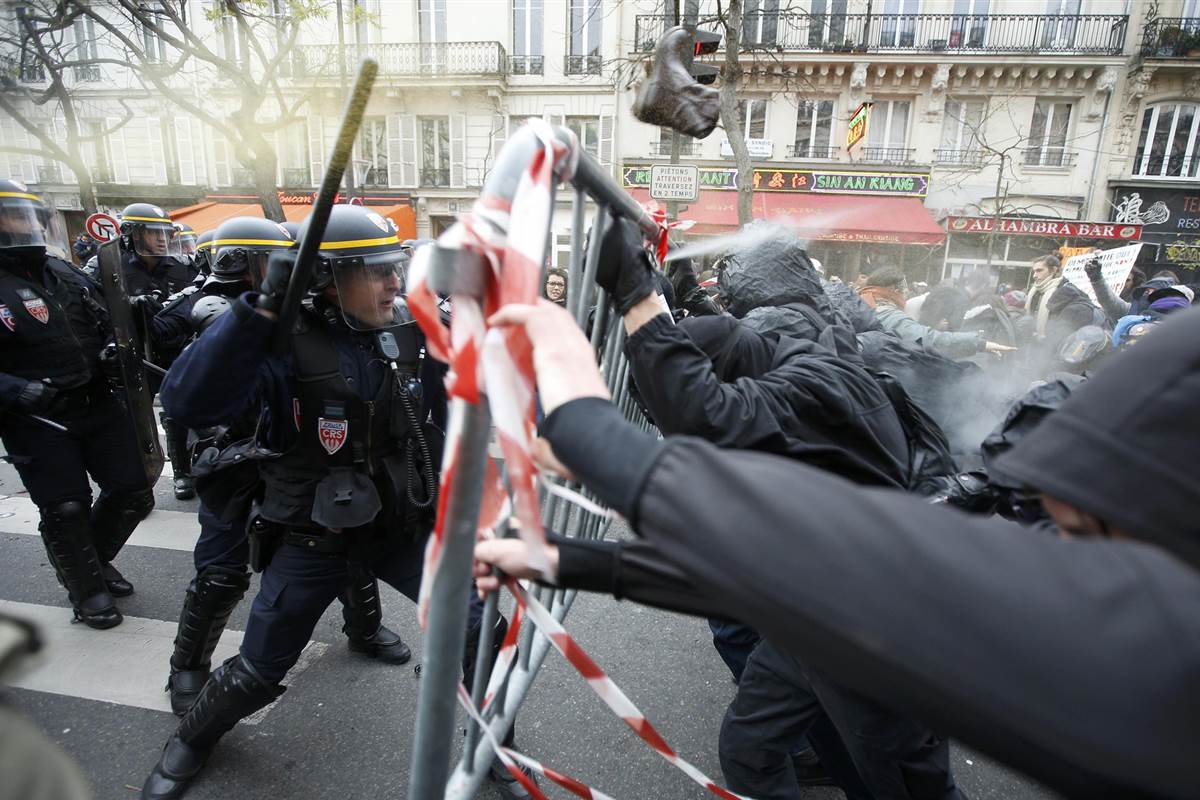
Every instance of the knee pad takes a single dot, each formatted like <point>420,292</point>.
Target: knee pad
<point>227,580</point>
<point>67,512</point>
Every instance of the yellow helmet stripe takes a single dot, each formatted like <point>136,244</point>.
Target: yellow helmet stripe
<point>146,219</point>
<point>21,196</point>
<point>350,244</point>
<point>247,242</point>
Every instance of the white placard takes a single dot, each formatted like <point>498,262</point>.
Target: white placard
<point>1115,266</point>
<point>759,148</point>
<point>675,182</point>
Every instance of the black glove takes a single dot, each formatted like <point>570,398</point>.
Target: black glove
<point>1092,269</point>
<point>275,282</point>
<point>36,396</point>
<point>625,271</point>
<point>147,304</point>
<point>110,364</point>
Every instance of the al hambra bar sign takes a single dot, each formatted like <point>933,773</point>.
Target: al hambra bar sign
<point>1044,227</point>
<point>815,181</point>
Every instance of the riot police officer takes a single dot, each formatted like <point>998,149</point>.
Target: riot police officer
<point>227,481</point>
<point>353,480</point>
<point>203,245</point>
<point>53,325</point>
<point>186,242</point>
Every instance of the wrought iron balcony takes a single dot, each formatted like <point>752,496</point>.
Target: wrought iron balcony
<point>526,65</point>
<point>583,65</point>
<point>887,155</point>
<point>813,153</point>
<point>1062,34</point>
<point>687,147</point>
<point>435,177</point>
<point>1172,37</point>
<point>87,73</point>
<point>419,59</point>
<point>958,158</point>
<point>50,172</point>
<point>296,176</point>
<point>1049,157</point>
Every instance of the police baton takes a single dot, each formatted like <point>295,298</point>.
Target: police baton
<point>338,159</point>
<point>49,423</point>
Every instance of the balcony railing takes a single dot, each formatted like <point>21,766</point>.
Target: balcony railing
<point>887,155</point>
<point>814,153</point>
<point>1049,157</point>
<point>1066,34</point>
<point>50,172</point>
<point>663,148</point>
<point>583,65</point>
<point>296,176</point>
<point>1171,37</point>
<point>527,65</point>
<point>1172,167</point>
<point>241,176</point>
<point>424,59</point>
<point>87,73</point>
<point>435,177</point>
<point>958,158</point>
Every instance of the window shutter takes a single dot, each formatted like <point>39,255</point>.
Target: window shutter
<point>158,159</point>
<point>221,172</point>
<point>408,150</point>
<point>316,150</point>
<point>458,149</point>
<point>500,125</point>
<point>200,152</point>
<point>395,164</point>
<point>187,159</point>
<point>116,143</point>
<point>607,127</point>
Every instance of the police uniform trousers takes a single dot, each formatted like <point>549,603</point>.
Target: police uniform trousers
<point>297,587</point>
<point>100,442</point>
<point>221,544</point>
<point>779,699</point>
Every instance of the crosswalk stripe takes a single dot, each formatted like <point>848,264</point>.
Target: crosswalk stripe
<point>168,530</point>
<point>127,665</point>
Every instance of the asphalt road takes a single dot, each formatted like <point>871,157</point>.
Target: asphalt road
<point>343,729</point>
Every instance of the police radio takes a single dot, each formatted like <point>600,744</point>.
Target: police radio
<point>422,483</point>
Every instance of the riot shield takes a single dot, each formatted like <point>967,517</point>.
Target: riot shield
<point>138,399</point>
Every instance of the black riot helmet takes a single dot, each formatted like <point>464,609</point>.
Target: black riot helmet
<point>148,231</point>
<point>364,262</point>
<point>240,249</point>
<point>204,251</point>
<point>186,237</point>
<point>293,229</point>
<point>23,218</point>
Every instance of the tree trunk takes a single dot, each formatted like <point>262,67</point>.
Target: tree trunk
<point>730,120</point>
<point>87,189</point>
<point>997,211</point>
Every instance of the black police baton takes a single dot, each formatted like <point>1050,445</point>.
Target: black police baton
<point>306,258</point>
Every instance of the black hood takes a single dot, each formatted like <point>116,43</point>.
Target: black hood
<point>735,350</point>
<point>773,272</point>
<point>1122,448</point>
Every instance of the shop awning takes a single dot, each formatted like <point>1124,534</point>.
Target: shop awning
<point>828,217</point>
<point>209,215</point>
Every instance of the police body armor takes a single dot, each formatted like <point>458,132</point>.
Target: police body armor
<point>53,327</point>
<point>353,458</point>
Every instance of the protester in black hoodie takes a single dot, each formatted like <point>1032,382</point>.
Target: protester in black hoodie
<point>1073,658</point>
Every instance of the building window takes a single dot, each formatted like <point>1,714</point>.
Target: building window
<point>1059,31</point>
<point>372,153</point>
<point>31,70</point>
<point>527,37</point>
<point>294,156</point>
<point>86,49</point>
<point>753,114</point>
<point>432,16</point>
<point>961,127</point>
<point>1169,146</point>
<point>588,131</point>
<point>587,21</point>
<point>968,27</point>
<point>687,144</point>
<point>899,23</point>
<point>435,151</point>
<point>827,23</point>
<point>760,22</point>
<point>814,130</point>
<point>154,48</point>
<point>887,131</point>
<point>1048,134</point>
<point>96,151</point>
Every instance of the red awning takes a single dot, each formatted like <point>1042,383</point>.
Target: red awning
<point>208,215</point>
<point>827,217</point>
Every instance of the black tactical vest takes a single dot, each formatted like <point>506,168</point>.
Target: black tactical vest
<point>49,324</point>
<point>346,468</point>
<point>168,276</point>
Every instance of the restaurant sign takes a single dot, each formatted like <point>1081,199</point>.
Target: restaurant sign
<point>1023,226</point>
<point>814,181</point>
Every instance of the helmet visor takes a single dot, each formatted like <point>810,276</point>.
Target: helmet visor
<point>368,288</point>
<point>154,239</point>
<point>21,226</point>
<point>186,242</point>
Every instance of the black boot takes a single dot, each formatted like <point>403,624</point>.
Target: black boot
<point>234,692</point>
<point>363,615</point>
<point>471,651</point>
<point>210,600</point>
<point>67,536</point>
<point>180,456</point>
<point>113,518</point>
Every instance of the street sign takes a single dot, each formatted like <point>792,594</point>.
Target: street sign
<point>858,125</point>
<point>675,182</point>
<point>101,227</point>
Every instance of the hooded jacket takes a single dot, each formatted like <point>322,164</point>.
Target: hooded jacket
<point>1074,660</point>
<point>1070,310</point>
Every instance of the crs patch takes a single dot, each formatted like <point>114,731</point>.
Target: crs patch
<point>332,433</point>
<point>6,317</point>
<point>37,309</point>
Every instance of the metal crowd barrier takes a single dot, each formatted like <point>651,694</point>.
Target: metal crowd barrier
<point>458,271</point>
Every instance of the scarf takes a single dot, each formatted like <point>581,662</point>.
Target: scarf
<point>872,295</point>
<point>1039,299</point>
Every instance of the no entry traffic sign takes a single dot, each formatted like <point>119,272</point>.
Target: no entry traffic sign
<point>101,227</point>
